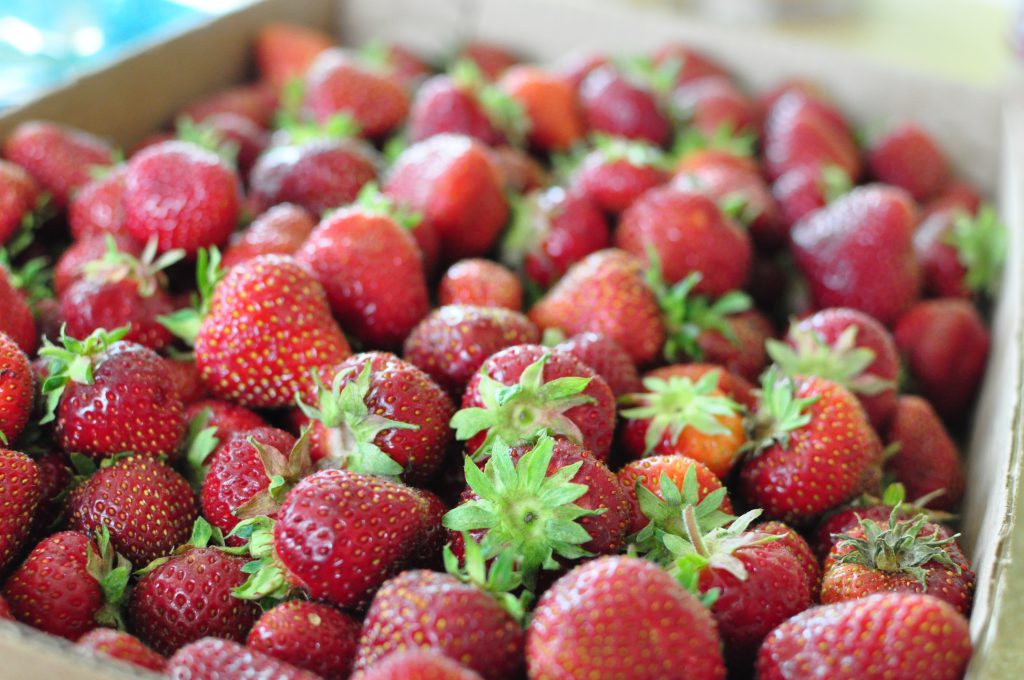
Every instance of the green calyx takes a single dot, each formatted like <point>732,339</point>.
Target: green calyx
<point>835,182</point>
<point>525,511</point>
<point>72,362</point>
<point>674,404</point>
<point>637,153</point>
<point>33,278</point>
<point>724,138</point>
<point>268,580</point>
<point>349,427</point>
<point>527,228</point>
<point>842,362</point>
<point>659,78</point>
<point>500,579</point>
<point>371,200</point>
<point>185,323</point>
<point>779,413</point>
<point>200,441</point>
<point>981,248</point>
<point>283,471</point>
<point>146,270</point>
<point>505,113</point>
<point>898,547</point>
<point>112,571</point>
<point>521,413</point>
<point>207,137</point>
<point>203,535</point>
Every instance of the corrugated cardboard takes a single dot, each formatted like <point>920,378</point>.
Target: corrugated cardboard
<point>984,135</point>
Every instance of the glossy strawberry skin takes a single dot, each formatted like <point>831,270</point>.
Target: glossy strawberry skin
<point>308,635</point>
<point>189,597</point>
<point>606,358</point>
<point>441,106</point>
<point>944,274</point>
<point>550,104</point>
<point>459,620</point>
<point>92,303</point>
<point>17,320</point>
<point>800,548</point>
<point>614,184</point>
<point>569,227</point>
<point>613,105</point>
<point>417,664</point>
<point>648,472</point>
<point>337,83</point>
<point>54,482</point>
<point>121,646</point>
<point>17,390</point>
<point>228,418</point>
<point>482,283</point>
<point>909,158</point>
<point>211,657</point>
<point>713,103</point>
<point>19,498</point>
<point>611,594</point>
<point>927,459</point>
<point>18,195</point>
<point>89,248</point>
<point>282,230</point>
<point>798,193</point>
<point>803,130</point>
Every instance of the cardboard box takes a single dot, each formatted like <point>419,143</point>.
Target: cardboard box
<point>982,130</point>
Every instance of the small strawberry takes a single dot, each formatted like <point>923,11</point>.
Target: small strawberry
<point>19,194</point>
<point>284,51</point>
<point>713,103</point>
<point>338,83</point>
<point>909,158</point>
<point>687,63</point>
<point>926,460</point>
<point>482,283</point>
<point>800,548</point>
<point>519,171</point>
<point>255,102</point>
<point>17,391</point>
<point>54,483</point>
<point>615,104</point>
<point>957,194</point>
<point>804,130</point>
<point>308,635</point>
<point>397,60</point>
<point>672,481</point>
<point>896,635</point>
<point>212,657</point>
<point>280,230</point>
<point>17,321</point>
<point>806,188</point>
<point>453,341</point>
<point>550,105</point>
<point>492,59</point>
<point>606,358</point>
<point>962,255</point>
<point>616,596</point>
<point>93,247</point>
<point>417,664</point>
<point>116,644</point>
<point>617,171</point>
<point>224,417</point>
<point>19,498</point>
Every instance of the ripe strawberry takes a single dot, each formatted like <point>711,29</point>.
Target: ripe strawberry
<point>234,136</point>
<point>181,194</point>
<point>54,482</point>
<point>945,346</point>
<point>615,596</point>
<point>211,657</point>
<point>256,103</point>
<point>614,104</point>
<point>452,182</point>
<point>858,252</point>
<point>688,64</point>
<point>961,256</point>
<point>806,188</point>
<point>814,448</point>
<point>376,414</point>
<point>398,60</point>
<point>550,105</point>
<point>308,635</point>
<point>226,418</point>
<point>284,51</point>
<point>606,358</point>
<point>17,321</point>
<point>956,194</point>
<point>519,171</point>
<point>337,83</point>
<point>897,635</point>
<point>69,585</point>
<point>711,104</point>
<point>802,129</point>
<point>115,644</point>
<point>617,172</point>
<point>280,230</point>
<point>927,460</point>
<point>800,548</point>
<point>911,556</point>
<point>675,480</point>
<point>92,247</point>
<point>849,348</point>
<point>185,379</point>
<point>18,196</point>
<point>492,59</point>
<point>19,497</point>
<point>109,396</point>
<point>453,341</point>
<point>679,416</point>
<point>348,254</point>
<point>482,283</point>
<point>17,391</point>
<point>909,158</point>
<point>59,158</point>
<point>417,664</point>
<point>606,293</point>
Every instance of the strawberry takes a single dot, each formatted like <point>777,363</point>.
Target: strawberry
<point>453,341</point>
<point>849,348</point>
<point>18,196</point>
<point>482,283</point>
<point>147,506</point>
<point>927,460</point>
<point>185,379</point>
<point>732,385</point>
<point>606,293</point>
<point>212,657</point>
<point>527,389</point>
<point>688,64</point>
<point>945,346</point>
<point>550,231</point>
<point>185,596</point>
<point>519,171</point>
<point>897,635</point>
<point>181,194</point>
<point>372,201</point>
<point>606,358</point>
<point>234,136</point>
<point>59,158</point>
<point>69,585</point>
<point>679,416</point>
<point>961,256</point>
<point>17,321</point>
<point>614,595</point>
<point>910,556</point>
<point>223,417</point>
<point>417,664</point>
<point>115,644</point>
<point>800,548</point>
<point>397,60</point>
<point>617,171</point>
<point>285,51</point>
<point>858,252</point>
<point>802,130</point>
<point>550,105</point>
<point>109,396</point>
<point>19,497</point>
<point>673,481</point>
<point>813,450</point>
<point>713,103</point>
<point>452,182</point>
<point>17,391</point>
<point>492,59</point>
<point>347,253</point>
<point>54,482</point>
<point>279,230</point>
<point>614,104</point>
<point>956,194</point>
<point>909,158</point>
<point>308,635</point>
<point>256,103</point>
<point>337,83</point>
<point>806,188</point>
<point>92,247</point>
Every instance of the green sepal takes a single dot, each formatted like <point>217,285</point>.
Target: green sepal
<point>500,579</point>
<point>284,472</point>
<point>716,547</point>
<point>842,362</point>
<point>687,570</point>
<point>200,441</point>
<point>33,278</point>
<point>778,414</point>
<point>371,200</point>
<point>980,244</point>
<point>203,535</point>
<point>835,183</point>
<point>635,152</point>
<point>289,107</point>
<point>185,323</point>
<point>527,227</point>
<point>72,362</point>
<point>660,79</point>
<point>394,147</point>
<point>112,571</point>
<point>207,137</point>
<point>267,577</point>
<point>724,138</point>
<point>505,113</point>
<point>145,270</point>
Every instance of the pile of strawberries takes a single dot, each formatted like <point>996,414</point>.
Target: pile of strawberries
<point>267,408</point>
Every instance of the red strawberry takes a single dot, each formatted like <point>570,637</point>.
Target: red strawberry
<point>233,135</point>
<point>877,509</point>
<point>849,348</point>
<point>688,63</point>
<point>182,195</point>
<point>804,130</point>
<point>19,497</point>
<point>452,182</point>
<point>256,103</point>
<point>897,635</point>
<point>336,83</point>
<point>416,664</point>
<point>550,105</point>
<point>185,379</point>
<point>349,253</point>
<point>614,105</point>
<point>615,595</point>
<point>617,172</point>
<point>17,321</point>
<point>18,196</point>
<point>713,103</point>
<point>606,293</point>
<point>284,51</point>
<point>453,341</point>
<point>376,414</point>
<point>69,585</point>
<point>606,358</point>
<point>962,256</point>
<point>109,396</point>
<point>801,549</point>
<point>927,460</point>
<point>519,171</point>
<point>911,556</point>
<point>54,481</point>
<point>280,230</point>
<point>945,346</point>
<point>482,283</point>
<point>816,451</point>
<point>92,247</point>
<point>398,60</point>
<point>492,60</point>
<point>691,482</point>
<point>188,595</point>
<point>308,635</point>
<point>734,386</point>
<point>909,158</point>
<point>59,158</point>
<point>17,391</point>
<point>806,188</point>
<point>212,658</point>
<point>226,418</point>
<point>956,194</point>
<point>147,506</point>
<point>858,252</point>
<point>115,644</point>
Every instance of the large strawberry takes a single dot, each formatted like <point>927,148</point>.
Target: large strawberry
<point>18,196</point>
<point>806,188</point>
<point>895,635</point>
<point>416,664</point>
<point>282,229</point>
<point>618,104</point>
<point>17,391</point>
<point>650,627</point>
<point>309,635</point>
<point>550,105</point>
<point>962,255</point>
<point>480,282</point>
<point>338,83</point>
<point>19,497</point>
<point>926,460</point>
<point>803,130</point>
<point>212,657</point>
<point>116,644</point>
<point>617,171</point>
<point>909,158</point>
